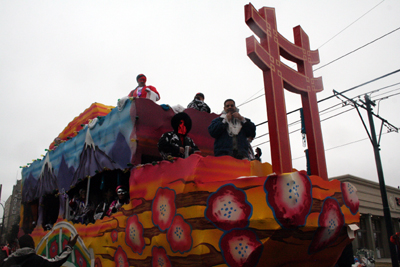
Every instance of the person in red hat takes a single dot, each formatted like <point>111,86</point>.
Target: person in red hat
<point>172,144</point>
<point>198,103</point>
<point>123,198</point>
<point>143,90</point>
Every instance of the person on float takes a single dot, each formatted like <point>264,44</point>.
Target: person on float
<point>26,255</point>
<point>143,90</point>
<point>103,207</point>
<point>257,155</point>
<point>123,198</point>
<point>82,212</point>
<point>231,131</point>
<point>198,103</point>
<point>172,144</point>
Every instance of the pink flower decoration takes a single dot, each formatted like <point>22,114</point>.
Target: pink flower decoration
<point>241,248</point>
<point>228,208</point>
<point>349,193</point>
<point>160,257</point>
<point>53,249</point>
<point>134,234</point>
<point>179,235</point>
<point>80,260</point>
<point>330,223</point>
<point>97,262</point>
<point>163,208</point>
<point>114,236</point>
<point>120,258</point>
<point>289,196</point>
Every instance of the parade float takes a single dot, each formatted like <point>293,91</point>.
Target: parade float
<point>201,210</point>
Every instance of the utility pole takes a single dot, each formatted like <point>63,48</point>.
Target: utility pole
<point>386,209</point>
<point>367,105</point>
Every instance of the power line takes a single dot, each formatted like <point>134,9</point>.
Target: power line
<point>327,110</point>
<point>356,49</point>
<point>386,97</point>
<point>251,97</point>
<point>299,128</point>
<point>345,91</point>
<point>350,24</point>
<point>388,92</point>
<point>337,114</point>
<point>339,146</point>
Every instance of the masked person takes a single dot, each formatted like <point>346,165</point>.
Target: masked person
<point>143,90</point>
<point>172,144</point>
<point>123,198</point>
<point>198,103</point>
<point>231,131</point>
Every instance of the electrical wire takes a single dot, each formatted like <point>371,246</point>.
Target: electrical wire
<point>337,114</point>
<point>352,88</point>
<point>386,97</point>
<point>336,147</point>
<point>388,92</point>
<point>345,91</point>
<point>357,49</point>
<point>339,146</point>
<point>350,24</point>
<point>251,97</point>
<point>300,128</point>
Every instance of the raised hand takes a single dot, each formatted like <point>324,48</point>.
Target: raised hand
<point>72,242</point>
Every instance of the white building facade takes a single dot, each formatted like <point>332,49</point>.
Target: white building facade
<point>372,234</point>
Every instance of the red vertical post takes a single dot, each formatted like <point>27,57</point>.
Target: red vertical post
<point>277,77</point>
<point>311,113</point>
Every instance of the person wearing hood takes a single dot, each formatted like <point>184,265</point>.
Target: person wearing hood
<point>26,255</point>
<point>173,144</point>
<point>231,131</point>
<point>198,103</point>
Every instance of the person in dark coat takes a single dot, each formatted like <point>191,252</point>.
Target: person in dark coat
<point>26,255</point>
<point>231,131</point>
<point>346,258</point>
<point>172,144</point>
<point>198,103</point>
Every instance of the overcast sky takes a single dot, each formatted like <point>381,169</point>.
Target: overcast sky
<point>58,57</point>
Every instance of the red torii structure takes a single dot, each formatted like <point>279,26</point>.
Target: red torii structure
<point>277,76</point>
